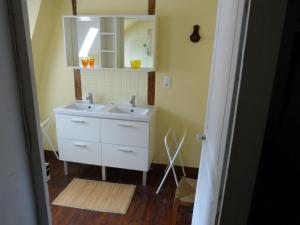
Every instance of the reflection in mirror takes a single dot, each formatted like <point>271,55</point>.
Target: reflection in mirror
<point>88,42</point>
<point>88,39</point>
<point>82,39</point>
<point>138,42</point>
<point>106,42</point>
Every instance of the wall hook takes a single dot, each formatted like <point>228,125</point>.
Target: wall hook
<point>195,36</point>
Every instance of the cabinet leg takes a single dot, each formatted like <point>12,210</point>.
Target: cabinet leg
<point>103,173</point>
<point>66,172</point>
<point>144,178</point>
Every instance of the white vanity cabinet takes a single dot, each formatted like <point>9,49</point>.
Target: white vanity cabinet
<point>128,157</point>
<point>125,144</point>
<point>78,128</point>
<point>78,139</point>
<point>105,142</point>
<point>79,151</point>
<point>122,132</point>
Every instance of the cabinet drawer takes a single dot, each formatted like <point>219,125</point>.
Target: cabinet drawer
<point>125,132</point>
<point>126,157</point>
<point>78,128</point>
<point>79,151</point>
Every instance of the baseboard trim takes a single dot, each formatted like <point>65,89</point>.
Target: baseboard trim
<point>190,171</point>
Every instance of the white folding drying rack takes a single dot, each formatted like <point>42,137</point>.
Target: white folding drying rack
<point>168,146</point>
<point>45,125</point>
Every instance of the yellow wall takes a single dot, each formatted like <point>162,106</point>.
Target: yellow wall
<point>181,106</point>
<point>33,7</point>
<point>184,105</point>
<point>54,80</point>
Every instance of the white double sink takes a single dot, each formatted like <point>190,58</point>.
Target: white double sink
<point>110,111</point>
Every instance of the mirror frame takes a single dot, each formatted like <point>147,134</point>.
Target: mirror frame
<point>142,17</point>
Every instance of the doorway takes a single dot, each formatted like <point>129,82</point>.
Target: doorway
<point>94,217</point>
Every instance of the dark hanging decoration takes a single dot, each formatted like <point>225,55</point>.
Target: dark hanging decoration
<point>195,36</point>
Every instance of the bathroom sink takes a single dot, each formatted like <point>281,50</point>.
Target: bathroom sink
<point>84,107</point>
<point>127,110</point>
<point>107,111</point>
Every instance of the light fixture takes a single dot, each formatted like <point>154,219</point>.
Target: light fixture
<point>84,18</point>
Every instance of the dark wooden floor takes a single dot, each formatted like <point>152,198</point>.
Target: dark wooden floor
<point>146,207</point>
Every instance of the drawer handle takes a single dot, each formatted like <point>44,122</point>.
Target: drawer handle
<point>80,145</point>
<point>125,125</point>
<point>125,150</point>
<point>78,121</point>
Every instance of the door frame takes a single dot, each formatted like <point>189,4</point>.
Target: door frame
<point>237,57</point>
<point>19,24</point>
<point>238,48</point>
<point>258,72</point>
<point>261,51</point>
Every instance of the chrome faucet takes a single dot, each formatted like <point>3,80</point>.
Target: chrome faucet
<point>90,98</point>
<point>132,101</point>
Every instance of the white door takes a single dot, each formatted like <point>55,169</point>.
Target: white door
<point>223,74</point>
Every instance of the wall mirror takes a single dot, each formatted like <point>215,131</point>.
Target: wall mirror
<point>138,42</point>
<point>110,42</point>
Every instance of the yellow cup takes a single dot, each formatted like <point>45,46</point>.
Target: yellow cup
<point>135,64</point>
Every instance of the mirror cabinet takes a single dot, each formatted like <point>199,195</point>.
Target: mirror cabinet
<point>110,42</point>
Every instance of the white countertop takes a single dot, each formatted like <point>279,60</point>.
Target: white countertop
<point>106,111</point>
